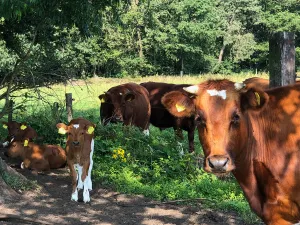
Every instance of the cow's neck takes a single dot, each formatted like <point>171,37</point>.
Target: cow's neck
<point>255,146</point>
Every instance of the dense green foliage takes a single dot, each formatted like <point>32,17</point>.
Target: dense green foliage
<point>44,42</point>
<point>55,39</point>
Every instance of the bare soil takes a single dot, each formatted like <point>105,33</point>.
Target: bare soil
<point>51,204</point>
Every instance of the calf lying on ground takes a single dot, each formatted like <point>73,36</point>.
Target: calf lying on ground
<point>18,132</point>
<point>79,148</point>
<point>37,157</point>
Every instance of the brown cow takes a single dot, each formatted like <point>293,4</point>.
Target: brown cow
<point>18,132</point>
<point>254,134</point>
<point>258,82</point>
<point>79,148</point>
<point>160,117</point>
<point>126,103</point>
<point>37,157</point>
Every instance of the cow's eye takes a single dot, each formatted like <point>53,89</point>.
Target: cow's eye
<point>69,133</point>
<point>200,120</point>
<point>235,119</point>
<point>82,133</point>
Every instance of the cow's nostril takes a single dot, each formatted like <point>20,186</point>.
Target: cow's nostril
<point>217,162</point>
<point>75,142</point>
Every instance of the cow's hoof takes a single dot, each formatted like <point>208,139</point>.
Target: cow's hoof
<point>86,196</point>
<point>74,196</point>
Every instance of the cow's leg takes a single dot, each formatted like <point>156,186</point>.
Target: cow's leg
<point>85,178</point>
<point>79,171</point>
<point>73,173</point>
<point>25,164</point>
<point>90,185</point>
<point>191,134</point>
<point>178,133</point>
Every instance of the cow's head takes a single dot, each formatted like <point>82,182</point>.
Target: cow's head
<point>79,132</point>
<point>17,148</point>
<point>115,104</point>
<point>219,107</point>
<point>19,131</point>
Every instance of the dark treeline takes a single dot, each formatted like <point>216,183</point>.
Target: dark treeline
<point>45,41</point>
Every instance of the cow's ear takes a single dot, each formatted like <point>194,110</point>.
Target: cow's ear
<point>5,124</point>
<point>90,129</point>
<point>254,99</point>
<point>178,104</point>
<point>62,128</point>
<point>102,98</point>
<point>129,97</point>
<point>23,126</point>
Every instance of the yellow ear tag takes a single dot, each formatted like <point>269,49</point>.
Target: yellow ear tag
<point>26,143</point>
<point>5,126</point>
<point>90,130</point>
<point>23,127</point>
<point>257,98</point>
<point>62,131</point>
<point>179,108</point>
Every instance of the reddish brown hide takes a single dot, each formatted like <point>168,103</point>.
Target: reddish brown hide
<point>38,157</point>
<point>254,134</point>
<point>19,131</point>
<point>160,117</point>
<point>257,82</point>
<point>79,148</point>
<point>127,103</point>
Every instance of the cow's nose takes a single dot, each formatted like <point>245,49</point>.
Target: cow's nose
<point>118,118</point>
<point>218,163</point>
<point>75,143</point>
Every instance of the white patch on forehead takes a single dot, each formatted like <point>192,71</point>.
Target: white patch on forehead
<point>214,92</point>
<point>76,126</point>
<point>120,93</point>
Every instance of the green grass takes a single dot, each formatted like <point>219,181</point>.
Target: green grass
<point>17,183</point>
<point>152,165</point>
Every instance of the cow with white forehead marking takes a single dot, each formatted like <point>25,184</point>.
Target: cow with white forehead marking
<point>79,148</point>
<point>253,133</point>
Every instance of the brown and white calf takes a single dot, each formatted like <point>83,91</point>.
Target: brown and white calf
<point>79,148</point>
<point>37,157</point>
<point>18,132</point>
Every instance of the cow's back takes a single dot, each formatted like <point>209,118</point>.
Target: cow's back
<point>160,117</point>
<point>56,156</point>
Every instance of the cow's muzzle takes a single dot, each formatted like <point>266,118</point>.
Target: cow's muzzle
<point>218,164</point>
<point>75,143</point>
<point>117,119</point>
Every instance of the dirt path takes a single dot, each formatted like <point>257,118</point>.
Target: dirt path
<point>52,205</point>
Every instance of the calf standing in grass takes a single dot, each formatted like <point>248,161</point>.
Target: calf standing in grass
<point>37,157</point>
<point>79,148</point>
<point>18,132</point>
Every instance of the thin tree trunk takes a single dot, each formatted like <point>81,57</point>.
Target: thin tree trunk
<point>221,53</point>
<point>141,55</point>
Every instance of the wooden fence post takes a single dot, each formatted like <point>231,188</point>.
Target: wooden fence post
<point>10,110</point>
<point>55,112</point>
<point>282,59</point>
<point>69,100</point>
